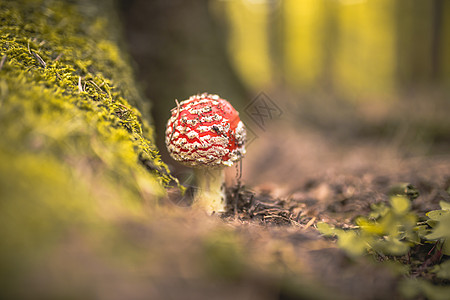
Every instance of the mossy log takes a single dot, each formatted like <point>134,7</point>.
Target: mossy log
<point>76,148</point>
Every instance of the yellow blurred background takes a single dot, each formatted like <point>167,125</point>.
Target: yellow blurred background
<point>362,50</point>
<point>352,71</point>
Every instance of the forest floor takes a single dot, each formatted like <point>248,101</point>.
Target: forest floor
<point>296,175</point>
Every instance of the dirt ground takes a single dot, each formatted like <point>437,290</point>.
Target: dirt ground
<point>294,176</point>
<point>310,158</point>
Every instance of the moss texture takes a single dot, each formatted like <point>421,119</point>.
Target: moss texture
<point>69,55</point>
<point>75,150</point>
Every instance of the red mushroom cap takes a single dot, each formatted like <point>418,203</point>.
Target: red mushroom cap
<point>205,131</point>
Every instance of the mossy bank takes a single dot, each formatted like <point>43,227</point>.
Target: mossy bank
<point>76,149</point>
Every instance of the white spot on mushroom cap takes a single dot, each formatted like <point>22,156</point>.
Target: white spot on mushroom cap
<point>211,118</point>
<point>192,134</point>
<point>241,134</point>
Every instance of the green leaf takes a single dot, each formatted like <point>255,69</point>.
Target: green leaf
<point>378,210</point>
<point>400,204</point>
<point>422,230</point>
<point>444,205</point>
<point>414,237</point>
<point>437,215</point>
<point>392,246</point>
<point>442,229</point>
<point>432,223</point>
<point>352,243</point>
<point>412,288</point>
<point>371,227</point>
<point>435,292</point>
<point>442,270</point>
<point>446,247</point>
<point>326,229</point>
<point>409,288</point>
<point>436,234</point>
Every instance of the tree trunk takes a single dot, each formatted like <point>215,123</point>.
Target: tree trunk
<point>180,50</point>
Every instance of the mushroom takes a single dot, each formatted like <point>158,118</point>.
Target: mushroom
<point>205,132</point>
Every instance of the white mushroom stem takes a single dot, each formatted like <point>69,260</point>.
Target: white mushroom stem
<point>210,194</point>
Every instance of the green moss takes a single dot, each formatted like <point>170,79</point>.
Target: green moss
<point>224,255</point>
<point>76,151</point>
<point>38,206</point>
<point>64,58</point>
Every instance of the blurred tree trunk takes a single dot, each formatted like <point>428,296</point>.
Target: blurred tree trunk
<point>437,38</point>
<point>423,42</point>
<point>416,38</point>
<point>180,50</point>
<point>355,50</point>
<point>441,42</point>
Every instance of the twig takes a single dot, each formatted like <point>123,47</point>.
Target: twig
<point>310,222</point>
<point>271,211</point>
<point>91,81</point>
<point>2,62</point>
<point>107,90</point>
<point>58,57</point>
<point>39,59</point>
<point>277,217</point>
<point>295,223</point>
<point>268,205</point>
<point>239,173</point>
<point>126,108</point>
<point>236,198</point>
<point>80,88</point>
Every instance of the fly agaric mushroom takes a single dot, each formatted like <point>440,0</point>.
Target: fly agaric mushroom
<point>205,132</point>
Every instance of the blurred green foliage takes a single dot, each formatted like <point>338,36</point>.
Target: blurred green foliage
<point>224,255</point>
<point>393,231</point>
<point>387,230</point>
<point>416,288</point>
<point>439,220</point>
